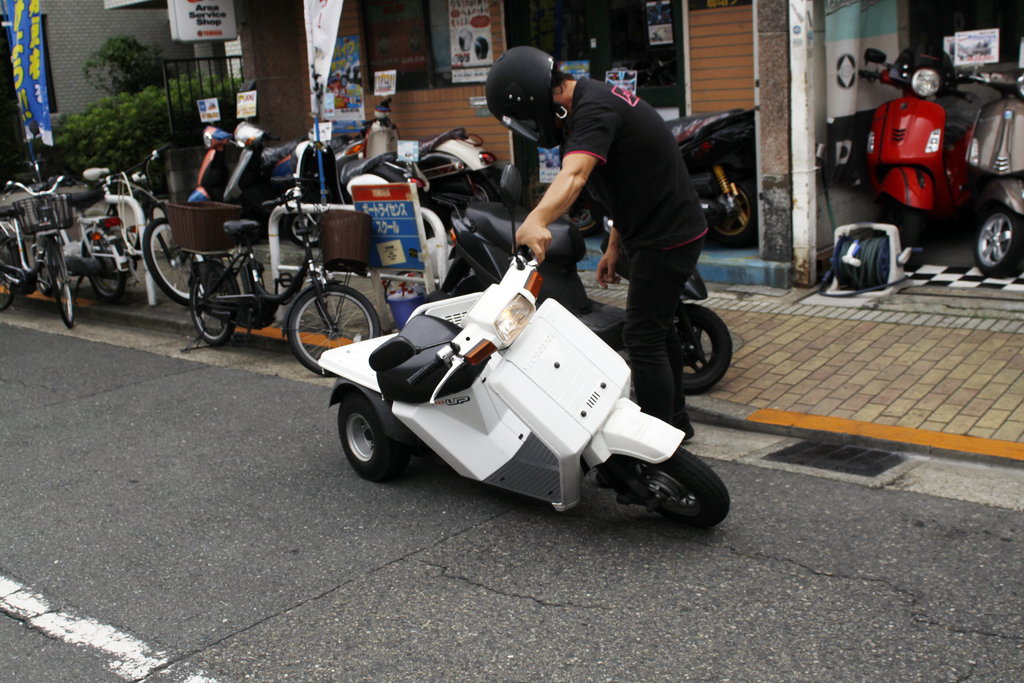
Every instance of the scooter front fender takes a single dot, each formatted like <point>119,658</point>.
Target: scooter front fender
<point>629,432</point>
<point>911,186</point>
<point>1006,191</point>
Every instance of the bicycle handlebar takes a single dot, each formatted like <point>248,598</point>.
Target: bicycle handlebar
<point>15,185</point>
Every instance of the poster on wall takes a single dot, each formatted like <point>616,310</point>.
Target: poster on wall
<point>578,69</point>
<point>550,162</point>
<point>209,109</point>
<point>344,106</point>
<point>471,40</point>
<point>659,22</point>
<point>625,79</point>
<point>395,36</point>
<point>851,26</point>
<point>385,83</point>
<point>976,47</point>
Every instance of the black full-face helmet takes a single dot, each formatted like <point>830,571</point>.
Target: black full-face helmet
<point>519,94</point>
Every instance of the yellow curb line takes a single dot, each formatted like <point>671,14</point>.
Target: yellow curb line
<point>838,425</point>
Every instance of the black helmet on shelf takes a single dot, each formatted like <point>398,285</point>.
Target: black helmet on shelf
<point>519,94</point>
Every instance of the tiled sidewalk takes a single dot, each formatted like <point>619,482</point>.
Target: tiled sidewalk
<point>939,380</point>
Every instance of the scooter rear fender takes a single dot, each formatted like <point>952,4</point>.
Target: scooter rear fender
<point>1006,191</point>
<point>392,427</point>
<point>911,186</point>
<point>627,431</point>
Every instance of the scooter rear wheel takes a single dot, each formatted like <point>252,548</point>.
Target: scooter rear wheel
<point>369,450</point>
<point>999,246</point>
<point>707,347</point>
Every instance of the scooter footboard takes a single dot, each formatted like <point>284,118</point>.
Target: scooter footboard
<point>627,431</point>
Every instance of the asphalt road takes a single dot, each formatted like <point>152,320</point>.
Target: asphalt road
<point>165,519</point>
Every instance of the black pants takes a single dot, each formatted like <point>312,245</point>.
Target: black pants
<point>656,279</point>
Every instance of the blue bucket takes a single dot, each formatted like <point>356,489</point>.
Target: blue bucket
<point>402,308</point>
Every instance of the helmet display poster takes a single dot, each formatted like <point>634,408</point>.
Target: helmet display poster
<point>471,40</point>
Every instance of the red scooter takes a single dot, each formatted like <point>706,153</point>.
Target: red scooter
<point>917,147</point>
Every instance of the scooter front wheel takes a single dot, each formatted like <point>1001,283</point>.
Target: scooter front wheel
<point>369,450</point>
<point>707,347</point>
<point>999,246</point>
<point>686,490</point>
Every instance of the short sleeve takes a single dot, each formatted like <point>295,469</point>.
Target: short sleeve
<point>593,130</point>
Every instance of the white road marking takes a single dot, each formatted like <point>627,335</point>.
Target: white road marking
<point>127,656</point>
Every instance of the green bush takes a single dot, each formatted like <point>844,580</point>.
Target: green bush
<point>116,132</point>
<point>123,65</point>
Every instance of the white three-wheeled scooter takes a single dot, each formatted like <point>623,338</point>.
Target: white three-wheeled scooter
<point>525,399</point>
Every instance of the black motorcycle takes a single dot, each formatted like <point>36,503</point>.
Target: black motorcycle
<point>483,249</point>
<point>720,153</point>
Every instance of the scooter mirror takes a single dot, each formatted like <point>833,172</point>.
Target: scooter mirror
<point>392,353</point>
<point>874,55</point>
<point>511,186</point>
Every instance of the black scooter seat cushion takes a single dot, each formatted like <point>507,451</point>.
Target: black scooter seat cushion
<point>491,220</point>
<point>427,333</point>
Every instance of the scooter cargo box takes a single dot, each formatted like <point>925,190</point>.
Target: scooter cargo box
<point>345,239</point>
<point>199,226</point>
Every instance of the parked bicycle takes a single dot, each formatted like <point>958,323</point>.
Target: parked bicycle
<point>226,291</point>
<point>117,240</point>
<point>25,265</point>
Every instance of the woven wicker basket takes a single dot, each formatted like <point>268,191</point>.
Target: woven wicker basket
<point>345,239</point>
<point>199,226</point>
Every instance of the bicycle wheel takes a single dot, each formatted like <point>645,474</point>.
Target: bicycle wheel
<point>109,283</point>
<point>9,258</point>
<point>169,265</point>
<point>60,281</point>
<point>343,316</point>
<point>214,322</point>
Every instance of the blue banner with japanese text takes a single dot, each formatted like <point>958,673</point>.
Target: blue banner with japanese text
<point>24,21</point>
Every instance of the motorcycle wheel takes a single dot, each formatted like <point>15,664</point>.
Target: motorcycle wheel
<point>707,347</point>
<point>999,246</point>
<point>910,221</point>
<point>169,265</point>
<point>740,230</point>
<point>371,453</point>
<point>682,488</point>
<point>214,327</point>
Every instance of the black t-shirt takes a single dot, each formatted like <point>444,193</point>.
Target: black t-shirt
<point>640,177</point>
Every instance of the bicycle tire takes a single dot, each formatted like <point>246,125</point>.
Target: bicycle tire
<point>309,334</point>
<point>214,327</point>
<point>8,257</point>
<point>60,281</point>
<point>168,263</point>
<point>108,285</point>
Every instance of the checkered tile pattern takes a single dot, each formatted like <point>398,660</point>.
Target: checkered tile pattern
<point>962,278</point>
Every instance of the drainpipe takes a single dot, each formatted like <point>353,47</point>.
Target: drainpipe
<point>802,147</point>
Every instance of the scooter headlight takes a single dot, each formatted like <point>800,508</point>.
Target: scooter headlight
<point>926,82</point>
<point>247,134</point>
<point>513,319</point>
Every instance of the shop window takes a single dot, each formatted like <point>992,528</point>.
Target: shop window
<point>643,40</point>
<point>415,38</point>
<point>931,20</point>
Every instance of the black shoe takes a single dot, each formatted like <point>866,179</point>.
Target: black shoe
<point>682,421</point>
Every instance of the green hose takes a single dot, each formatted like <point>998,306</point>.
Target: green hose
<point>874,256</point>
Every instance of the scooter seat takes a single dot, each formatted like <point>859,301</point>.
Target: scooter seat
<point>429,144</point>
<point>689,126</point>
<point>241,228</point>
<point>430,334</point>
<point>374,165</point>
<point>491,220</point>
<point>271,156</point>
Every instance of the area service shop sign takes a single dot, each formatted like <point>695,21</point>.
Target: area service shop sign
<point>198,20</point>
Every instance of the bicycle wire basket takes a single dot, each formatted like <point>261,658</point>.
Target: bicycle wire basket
<point>45,212</point>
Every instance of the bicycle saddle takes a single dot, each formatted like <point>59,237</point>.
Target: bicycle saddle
<point>241,228</point>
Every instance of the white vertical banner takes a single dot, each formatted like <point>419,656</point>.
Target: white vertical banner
<point>322,19</point>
